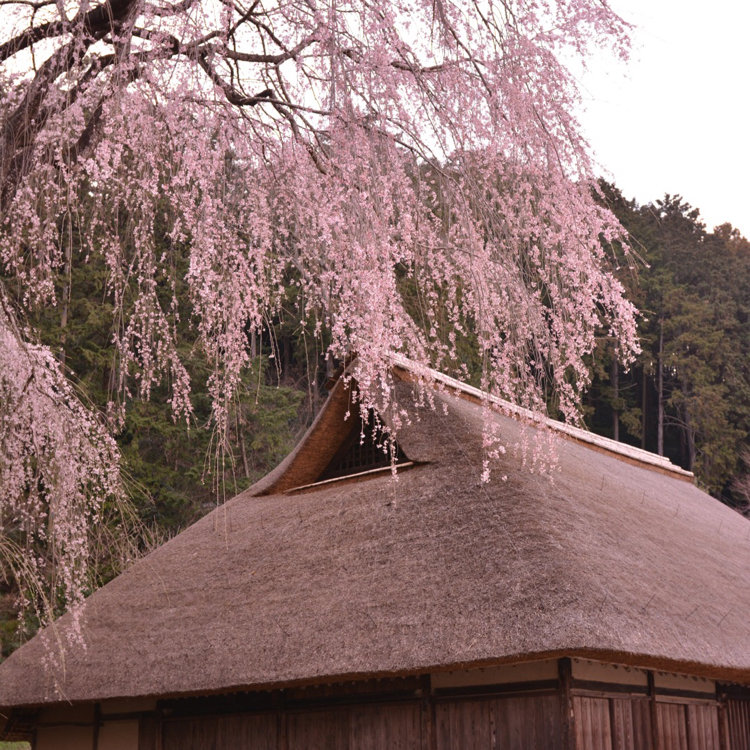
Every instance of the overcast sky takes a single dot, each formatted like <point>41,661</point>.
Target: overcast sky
<point>676,119</point>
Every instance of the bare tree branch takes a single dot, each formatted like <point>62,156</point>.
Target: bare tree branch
<point>95,23</point>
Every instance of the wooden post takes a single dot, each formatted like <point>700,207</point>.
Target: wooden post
<point>149,731</point>
<point>615,739</point>
<point>565,671</point>
<point>652,711</point>
<point>282,740</point>
<point>427,712</point>
<point>97,724</point>
<point>688,723</point>
<point>723,725</point>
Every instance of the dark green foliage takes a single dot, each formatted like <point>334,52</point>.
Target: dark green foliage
<point>693,290</point>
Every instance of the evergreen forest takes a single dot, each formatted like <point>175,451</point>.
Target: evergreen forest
<point>687,396</point>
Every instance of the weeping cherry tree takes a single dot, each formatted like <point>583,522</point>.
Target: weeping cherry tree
<point>347,147</point>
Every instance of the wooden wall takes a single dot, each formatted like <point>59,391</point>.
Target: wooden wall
<point>396,726</point>
<point>517,722</point>
<point>737,720</point>
<point>626,724</point>
<point>621,708</point>
<point>414,715</point>
<point>565,705</point>
<point>512,723</point>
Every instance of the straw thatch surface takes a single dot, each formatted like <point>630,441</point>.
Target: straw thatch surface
<point>607,560</point>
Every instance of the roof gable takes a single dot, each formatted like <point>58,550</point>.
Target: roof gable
<point>338,445</point>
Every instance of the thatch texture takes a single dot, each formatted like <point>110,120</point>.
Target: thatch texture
<point>429,571</point>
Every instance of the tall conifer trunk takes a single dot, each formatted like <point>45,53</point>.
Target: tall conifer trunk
<point>65,297</point>
<point>644,405</point>
<point>615,377</point>
<point>689,438</point>
<point>660,391</point>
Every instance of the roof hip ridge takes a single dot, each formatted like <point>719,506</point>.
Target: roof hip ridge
<point>577,433</point>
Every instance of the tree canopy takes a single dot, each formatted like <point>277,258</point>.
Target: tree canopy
<point>688,394</point>
<point>344,148</point>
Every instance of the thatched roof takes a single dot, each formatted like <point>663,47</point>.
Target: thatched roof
<point>610,558</point>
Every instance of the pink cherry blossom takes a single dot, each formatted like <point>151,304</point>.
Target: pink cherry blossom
<point>351,147</point>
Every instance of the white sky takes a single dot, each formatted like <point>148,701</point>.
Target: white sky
<point>676,119</point>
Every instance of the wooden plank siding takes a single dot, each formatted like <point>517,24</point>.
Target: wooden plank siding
<point>592,723</point>
<point>257,731</point>
<point>527,722</point>
<point>499,723</point>
<point>671,722</point>
<point>318,730</point>
<point>365,727</point>
<point>631,724</point>
<point>469,722</point>
<point>398,726</point>
<point>512,723</point>
<point>703,727</point>
<point>738,723</point>
<point>191,734</point>
<point>413,716</point>
<point>609,723</point>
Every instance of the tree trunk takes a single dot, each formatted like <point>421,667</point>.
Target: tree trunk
<point>615,379</point>
<point>689,438</point>
<point>66,292</point>
<point>241,440</point>
<point>644,405</point>
<point>660,392</point>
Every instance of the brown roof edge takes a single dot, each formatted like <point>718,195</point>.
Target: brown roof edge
<point>621,658</point>
<point>639,661</point>
<point>629,454</point>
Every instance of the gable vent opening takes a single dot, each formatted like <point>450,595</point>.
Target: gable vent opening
<point>365,449</point>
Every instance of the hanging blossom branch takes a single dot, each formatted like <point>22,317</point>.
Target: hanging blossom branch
<point>352,148</point>
<point>58,467</point>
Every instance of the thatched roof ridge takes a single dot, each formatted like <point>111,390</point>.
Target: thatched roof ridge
<point>568,430</point>
<point>432,570</point>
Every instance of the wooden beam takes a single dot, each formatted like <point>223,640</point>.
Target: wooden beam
<point>652,711</point>
<point>429,721</point>
<point>97,725</point>
<point>565,670</point>
<point>723,724</point>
